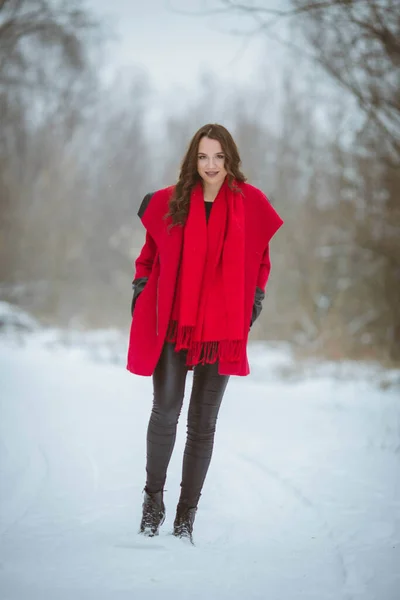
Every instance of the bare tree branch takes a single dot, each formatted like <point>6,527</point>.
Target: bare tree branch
<point>357,42</point>
<point>63,27</point>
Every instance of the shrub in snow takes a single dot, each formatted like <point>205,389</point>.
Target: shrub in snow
<point>13,319</point>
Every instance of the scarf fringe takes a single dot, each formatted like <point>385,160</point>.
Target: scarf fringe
<point>203,352</point>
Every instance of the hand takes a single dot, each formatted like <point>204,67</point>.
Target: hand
<point>138,286</point>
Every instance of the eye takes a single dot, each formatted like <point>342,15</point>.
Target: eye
<point>221,156</point>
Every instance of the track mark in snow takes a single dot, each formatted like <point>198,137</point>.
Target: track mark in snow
<point>295,491</point>
<point>141,546</point>
<point>14,507</point>
<point>94,470</point>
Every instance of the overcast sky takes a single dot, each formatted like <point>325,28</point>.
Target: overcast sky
<point>173,48</point>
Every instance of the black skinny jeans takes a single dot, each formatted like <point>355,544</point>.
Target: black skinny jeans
<point>208,388</point>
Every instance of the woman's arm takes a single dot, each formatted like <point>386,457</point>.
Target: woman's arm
<point>264,270</point>
<point>143,265</point>
<point>144,262</point>
<point>262,278</point>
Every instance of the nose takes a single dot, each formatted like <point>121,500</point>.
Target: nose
<point>211,162</point>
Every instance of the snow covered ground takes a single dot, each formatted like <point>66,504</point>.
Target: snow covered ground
<point>301,502</point>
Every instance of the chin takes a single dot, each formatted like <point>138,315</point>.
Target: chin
<point>212,180</point>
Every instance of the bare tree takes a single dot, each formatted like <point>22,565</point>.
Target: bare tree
<point>44,68</point>
<point>356,42</point>
<point>29,29</point>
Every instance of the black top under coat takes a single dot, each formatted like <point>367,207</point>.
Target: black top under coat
<point>208,206</point>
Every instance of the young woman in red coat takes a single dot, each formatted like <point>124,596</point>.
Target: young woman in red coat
<point>199,283</point>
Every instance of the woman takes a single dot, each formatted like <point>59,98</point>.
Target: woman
<point>199,283</point>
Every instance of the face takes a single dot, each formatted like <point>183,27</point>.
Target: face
<point>211,161</point>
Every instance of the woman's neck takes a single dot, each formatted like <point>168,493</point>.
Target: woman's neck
<point>210,191</point>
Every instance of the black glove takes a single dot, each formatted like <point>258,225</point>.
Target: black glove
<point>257,306</point>
<point>138,287</point>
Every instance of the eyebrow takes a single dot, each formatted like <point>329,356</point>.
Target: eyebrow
<point>221,152</point>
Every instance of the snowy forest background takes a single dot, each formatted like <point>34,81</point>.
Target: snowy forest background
<point>77,156</point>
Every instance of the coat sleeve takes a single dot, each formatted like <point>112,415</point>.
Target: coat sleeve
<point>144,262</point>
<point>138,286</point>
<point>257,305</point>
<point>264,270</point>
<point>262,278</point>
<point>273,222</point>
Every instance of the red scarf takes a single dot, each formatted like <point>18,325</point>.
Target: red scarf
<point>208,310</point>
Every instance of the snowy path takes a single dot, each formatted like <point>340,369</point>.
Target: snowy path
<point>306,507</point>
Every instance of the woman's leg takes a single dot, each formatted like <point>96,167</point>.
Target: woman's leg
<point>207,393</point>
<point>169,387</point>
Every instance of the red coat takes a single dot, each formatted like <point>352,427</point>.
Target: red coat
<point>159,261</point>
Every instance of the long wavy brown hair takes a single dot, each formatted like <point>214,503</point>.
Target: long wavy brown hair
<point>189,176</point>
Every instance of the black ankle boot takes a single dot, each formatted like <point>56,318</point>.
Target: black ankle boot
<point>183,524</point>
<point>153,513</point>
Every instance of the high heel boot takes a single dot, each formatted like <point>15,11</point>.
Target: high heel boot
<point>183,524</point>
<point>153,513</point>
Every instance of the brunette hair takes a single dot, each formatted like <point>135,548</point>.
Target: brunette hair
<point>188,176</point>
